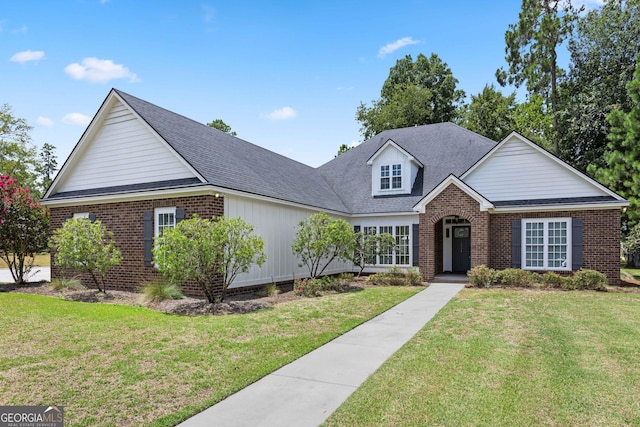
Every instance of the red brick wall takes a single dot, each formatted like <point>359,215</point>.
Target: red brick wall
<point>125,219</point>
<point>451,201</point>
<point>600,234</point>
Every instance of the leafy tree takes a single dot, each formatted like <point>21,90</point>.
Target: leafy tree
<point>204,250</point>
<point>87,247</point>
<point>603,51</point>
<point>631,245</point>
<point>622,173</point>
<point>369,246</point>
<point>320,240</point>
<point>17,154</point>
<point>490,113</point>
<point>542,26</point>
<point>47,166</point>
<point>221,126</point>
<point>24,228</point>
<point>343,149</point>
<point>532,121</point>
<point>415,93</point>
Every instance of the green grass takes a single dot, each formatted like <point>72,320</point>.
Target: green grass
<point>125,366</point>
<point>504,358</point>
<point>630,273</point>
<point>40,260</point>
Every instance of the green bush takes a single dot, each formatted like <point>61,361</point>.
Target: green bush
<point>555,280</point>
<point>482,276</point>
<point>159,290</point>
<point>514,277</point>
<point>308,287</point>
<point>589,279</point>
<point>395,276</point>
<point>64,283</point>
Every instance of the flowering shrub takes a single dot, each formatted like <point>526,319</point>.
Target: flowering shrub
<point>395,276</point>
<point>24,227</point>
<point>308,287</point>
<point>482,276</point>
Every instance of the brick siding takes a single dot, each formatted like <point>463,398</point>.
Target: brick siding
<point>491,234</point>
<point>125,219</point>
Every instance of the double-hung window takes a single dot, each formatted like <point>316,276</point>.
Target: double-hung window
<point>386,258</point>
<point>164,218</point>
<point>546,244</point>
<point>396,176</point>
<point>384,177</point>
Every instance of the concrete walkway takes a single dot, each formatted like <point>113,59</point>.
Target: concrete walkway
<point>37,274</point>
<point>308,390</point>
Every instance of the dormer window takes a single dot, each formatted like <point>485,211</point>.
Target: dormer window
<point>384,177</point>
<point>396,181</point>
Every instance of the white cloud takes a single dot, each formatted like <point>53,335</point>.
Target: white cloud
<point>27,55</point>
<point>44,121</point>
<point>393,46</point>
<point>283,113</point>
<point>99,71</point>
<point>76,119</point>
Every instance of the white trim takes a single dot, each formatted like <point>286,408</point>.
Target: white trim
<point>545,244</point>
<point>83,215</point>
<point>516,135</point>
<point>390,142</point>
<point>93,128</point>
<point>550,208</point>
<point>485,205</point>
<point>160,211</point>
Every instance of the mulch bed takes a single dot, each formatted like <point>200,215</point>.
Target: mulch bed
<point>236,304</point>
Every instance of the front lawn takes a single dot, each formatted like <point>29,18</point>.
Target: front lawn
<point>504,358</point>
<point>126,366</point>
<point>40,260</point>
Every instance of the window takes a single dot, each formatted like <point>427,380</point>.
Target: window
<point>165,218</point>
<point>396,176</point>
<point>402,244</point>
<point>371,257</point>
<point>384,177</point>
<point>81,215</point>
<point>546,244</point>
<point>388,257</point>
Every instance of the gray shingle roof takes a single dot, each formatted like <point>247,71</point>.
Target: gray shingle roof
<point>232,163</point>
<point>443,149</point>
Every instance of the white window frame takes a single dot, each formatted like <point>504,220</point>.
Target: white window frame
<point>385,177</point>
<point>156,219</point>
<point>545,244</point>
<point>393,255</point>
<point>396,175</point>
<point>84,215</point>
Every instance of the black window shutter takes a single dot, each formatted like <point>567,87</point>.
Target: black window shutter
<point>356,228</point>
<point>66,218</point>
<point>179,215</point>
<point>415,244</point>
<point>148,238</point>
<point>92,218</point>
<point>576,243</point>
<point>516,244</point>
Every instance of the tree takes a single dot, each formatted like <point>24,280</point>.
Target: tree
<point>622,158</point>
<point>87,247</point>
<point>369,246</point>
<point>542,26</point>
<point>414,93</point>
<point>221,126</point>
<point>46,167</point>
<point>490,113</point>
<point>343,149</point>
<point>603,51</point>
<point>24,228</point>
<point>204,250</point>
<point>320,239</point>
<point>531,120</point>
<point>17,154</point>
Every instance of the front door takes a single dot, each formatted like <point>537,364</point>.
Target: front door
<point>461,249</point>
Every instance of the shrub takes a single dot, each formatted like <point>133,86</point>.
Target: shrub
<point>589,279</point>
<point>271,289</point>
<point>554,280</point>
<point>513,277</point>
<point>395,276</point>
<point>308,287</point>
<point>160,290</point>
<point>482,276</point>
<point>65,283</point>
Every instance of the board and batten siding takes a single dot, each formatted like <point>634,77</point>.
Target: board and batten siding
<point>392,156</point>
<point>277,225</point>
<point>517,171</point>
<point>124,151</point>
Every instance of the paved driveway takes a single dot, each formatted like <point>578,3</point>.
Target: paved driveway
<point>37,274</point>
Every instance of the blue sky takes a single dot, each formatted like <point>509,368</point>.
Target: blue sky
<point>285,75</point>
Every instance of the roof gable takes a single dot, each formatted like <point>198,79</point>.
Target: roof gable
<point>393,145</point>
<point>453,180</point>
<point>119,149</point>
<point>518,169</point>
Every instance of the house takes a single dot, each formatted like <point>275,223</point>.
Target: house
<point>451,198</point>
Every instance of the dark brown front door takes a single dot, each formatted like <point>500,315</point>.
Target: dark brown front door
<point>461,249</point>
